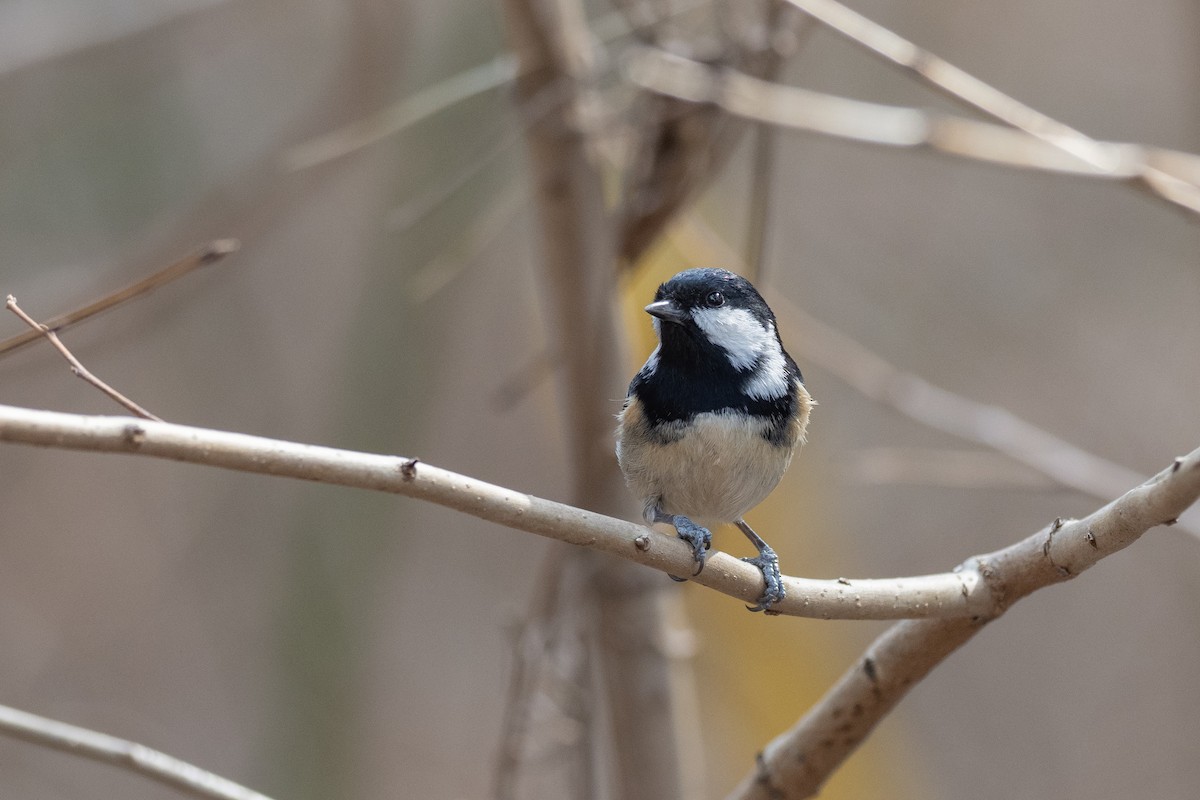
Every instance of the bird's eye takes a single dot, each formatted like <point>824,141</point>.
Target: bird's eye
<point>715,300</point>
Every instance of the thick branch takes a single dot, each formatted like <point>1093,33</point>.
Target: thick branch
<point>798,762</point>
<point>966,593</point>
<point>555,53</point>
<point>122,753</point>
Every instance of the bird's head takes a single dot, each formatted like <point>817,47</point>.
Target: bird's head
<point>702,309</point>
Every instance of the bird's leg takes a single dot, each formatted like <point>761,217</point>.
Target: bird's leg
<point>768,563</point>
<point>695,535</point>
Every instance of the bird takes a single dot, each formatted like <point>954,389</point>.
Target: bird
<point>713,418</point>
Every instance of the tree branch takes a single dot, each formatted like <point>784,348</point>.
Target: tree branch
<point>77,366</point>
<point>210,253</point>
<point>121,753</point>
<point>751,98</point>
<point>966,593</point>
<point>1169,179</point>
<point>799,761</point>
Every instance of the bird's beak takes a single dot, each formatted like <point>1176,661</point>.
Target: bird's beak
<point>666,310</point>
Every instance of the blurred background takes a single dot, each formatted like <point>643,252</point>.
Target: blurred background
<point>317,642</point>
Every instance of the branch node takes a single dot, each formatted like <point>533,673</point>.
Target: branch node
<point>218,249</point>
<point>642,543</point>
<point>762,776</point>
<point>1091,539</point>
<point>1170,521</point>
<point>134,435</point>
<point>1054,528</point>
<point>869,669</point>
<point>408,469</point>
<point>1174,467</point>
<point>844,581</point>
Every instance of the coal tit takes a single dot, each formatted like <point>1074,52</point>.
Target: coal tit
<point>713,418</point>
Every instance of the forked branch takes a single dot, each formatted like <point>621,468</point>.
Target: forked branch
<point>798,762</point>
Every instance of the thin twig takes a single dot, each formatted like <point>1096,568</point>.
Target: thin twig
<point>77,366</point>
<point>1160,179</point>
<point>798,762</point>
<point>899,126</point>
<point>208,254</point>
<point>763,158</point>
<point>762,170</point>
<point>121,753</point>
<point>961,593</point>
<point>433,100</point>
<point>408,112</point>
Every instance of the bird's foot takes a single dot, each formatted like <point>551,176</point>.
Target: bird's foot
<point>773,591</point>
<point>697,536</point>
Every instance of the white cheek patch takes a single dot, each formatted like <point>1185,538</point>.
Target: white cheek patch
<point>770,380</point>
<point>736,330</point>
<point>748,345</point>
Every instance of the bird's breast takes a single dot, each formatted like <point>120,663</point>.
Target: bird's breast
<point>712,468</point>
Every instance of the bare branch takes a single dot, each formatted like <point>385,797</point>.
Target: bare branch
<point>431,101</point>
<point>208,254</point>
<point>1163,178</point>
<point>128,755</point>
<point>898,126</point>
<point>798,762</point>
<point>965,593</point>
<point>408,112</point>
<point>77,366</point>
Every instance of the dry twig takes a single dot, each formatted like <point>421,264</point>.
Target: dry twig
<point>749,97</point>
<point>1175,181</point>
<point>77,367</point>
<point>121,753</point>
<point>208,254</point>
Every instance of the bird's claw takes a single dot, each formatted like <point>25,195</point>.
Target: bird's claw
<point>698,537</point>
<point>773,590</point>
